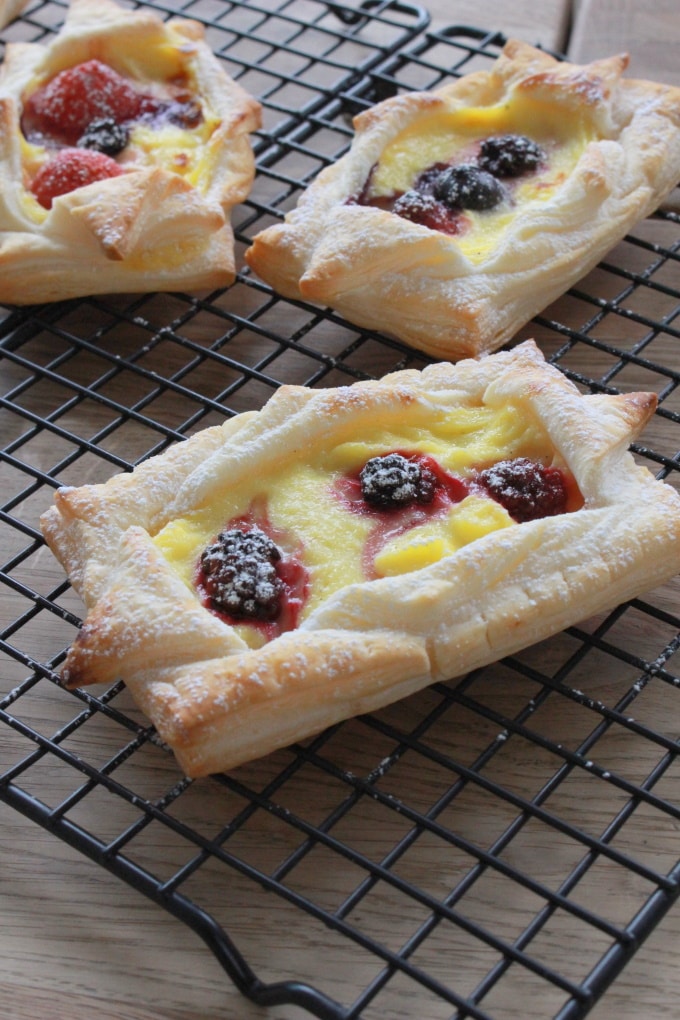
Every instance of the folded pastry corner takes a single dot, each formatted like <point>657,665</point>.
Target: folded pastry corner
<point>124,147</point>
<point>456,215</point>
<point>342,548</point>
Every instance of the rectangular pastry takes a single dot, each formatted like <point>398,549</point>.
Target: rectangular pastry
<point>458,214</point>
<point>124,145</point>
<point>342,548</point>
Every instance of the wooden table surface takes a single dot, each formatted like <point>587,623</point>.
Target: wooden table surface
<point>78,943</point>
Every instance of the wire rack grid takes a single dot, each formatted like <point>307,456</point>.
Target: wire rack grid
<point>477,848</point>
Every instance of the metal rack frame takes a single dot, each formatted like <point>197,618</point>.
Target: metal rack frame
<point>151,370</point>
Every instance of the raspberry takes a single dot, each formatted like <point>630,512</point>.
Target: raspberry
<point>420,207</point>
<point>527,490</point>
<point>240,574</point>
<point>104,135</point>
<point>510,155</point>
<point>394,481</point>
<point>64,107</point>
<point>467,187</point>
<point>71,169</point>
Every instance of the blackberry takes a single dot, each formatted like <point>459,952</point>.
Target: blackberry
<point>394,481</point>
<point>425,181</point>
<point>527,490</point>
<point>240,574</point>
<point>510,155</point>
<point>104,135</point>
<point>467,187</point>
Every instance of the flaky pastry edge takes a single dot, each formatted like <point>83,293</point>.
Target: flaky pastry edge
<point>218,703</point>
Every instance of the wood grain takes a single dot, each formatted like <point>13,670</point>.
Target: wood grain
<point>546,23</point>
<point>648,32</point>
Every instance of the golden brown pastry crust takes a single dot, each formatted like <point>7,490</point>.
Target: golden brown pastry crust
<point>148,229</point>
<point>219,703</point>
<point>386,273</point>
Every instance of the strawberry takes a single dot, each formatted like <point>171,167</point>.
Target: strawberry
<point>71,169</point>
<point>64,107</point>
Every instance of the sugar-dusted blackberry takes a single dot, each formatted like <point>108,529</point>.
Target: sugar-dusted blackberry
<point>392,480</point>
<point>526,489</point>
<point>510,155</point>
<point>104,135</point>
<point>425,181</point>
<point>466,186</point>
<point>240,576</point>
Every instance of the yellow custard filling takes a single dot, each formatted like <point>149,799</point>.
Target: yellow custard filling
<point>180,150</point>
<point>470,519</point>
<point>32,157</point>
<point>301,501</point>
<point>453,136</point>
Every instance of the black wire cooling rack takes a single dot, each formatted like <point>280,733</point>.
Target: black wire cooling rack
<point>479,846</point>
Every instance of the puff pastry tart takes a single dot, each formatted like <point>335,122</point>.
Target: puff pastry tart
<point>342,548</point>
<point>457,215</point>
<point>123,148</point>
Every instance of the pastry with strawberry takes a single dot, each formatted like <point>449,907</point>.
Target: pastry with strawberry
<point>124,147</point>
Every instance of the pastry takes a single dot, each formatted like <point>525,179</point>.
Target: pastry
<point>9,10</point>
<point>123,147</point>
<point>342,548</point>
<point>457,215</point>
